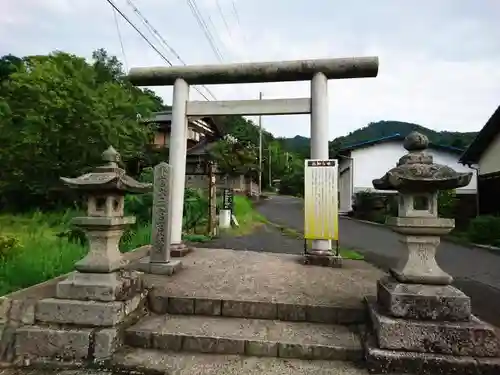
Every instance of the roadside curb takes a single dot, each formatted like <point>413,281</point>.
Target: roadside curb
<point>490,249</point>
<point>364,221</point>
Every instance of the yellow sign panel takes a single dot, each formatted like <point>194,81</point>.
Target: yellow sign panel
<point>321,200</point>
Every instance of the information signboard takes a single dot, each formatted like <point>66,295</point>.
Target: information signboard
<point>321,199</point>
<point>227,199</point>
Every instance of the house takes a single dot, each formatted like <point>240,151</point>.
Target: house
<point>198,129</point>
<point>202,135</point>
<point>360,163</point>
<point>483,155</point>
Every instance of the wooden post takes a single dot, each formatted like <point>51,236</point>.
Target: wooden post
<point>212,199</point>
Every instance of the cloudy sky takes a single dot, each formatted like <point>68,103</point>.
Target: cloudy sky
<point>439,60</point>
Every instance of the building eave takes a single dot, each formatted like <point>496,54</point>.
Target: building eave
<point>483,139</point>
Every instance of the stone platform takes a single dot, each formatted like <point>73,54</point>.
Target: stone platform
<point>251,313</point>
<point>220,274</point>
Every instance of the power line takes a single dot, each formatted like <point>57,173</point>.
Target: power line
<point>145,38</point>
<point>204,27</point>
<point>120,38</point>
<point>156,34</point>
<point>223,17</point>
<point>235,11</point>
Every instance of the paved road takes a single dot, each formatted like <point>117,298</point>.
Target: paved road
<point>476,271</point>
<point>265,238</point>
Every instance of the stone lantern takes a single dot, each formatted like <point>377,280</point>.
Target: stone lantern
<point>104,224</point>
<point>420,322</point>
<point>85,320</point>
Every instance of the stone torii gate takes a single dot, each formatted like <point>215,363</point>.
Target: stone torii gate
<point>318,71</point>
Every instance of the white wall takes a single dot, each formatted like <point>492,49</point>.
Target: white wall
<point>345,185</point>
<point>374,161</point>
<point>490,159</point>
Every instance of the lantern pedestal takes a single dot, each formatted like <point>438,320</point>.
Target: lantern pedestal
<point>421,236</point>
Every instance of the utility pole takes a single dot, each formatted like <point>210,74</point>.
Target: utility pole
<point>260,149</point>
<point>270,178</point>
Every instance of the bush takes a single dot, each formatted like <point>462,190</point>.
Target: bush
<point>485,230</point>
<point>447,203</point>
<point>8,246</point>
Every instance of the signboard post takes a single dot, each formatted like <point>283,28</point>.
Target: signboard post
<point>227,209</point>
<point>227,199</point>
<point>321,200</point>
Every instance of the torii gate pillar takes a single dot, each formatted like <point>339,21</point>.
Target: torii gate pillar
<point>319,137</point>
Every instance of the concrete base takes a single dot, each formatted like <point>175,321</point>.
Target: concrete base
<point>420,301</point>
<point>472,338</point>
<point>382,361</point>
<point>116,286</point>
<point>87,313</point>
<point>166,268</point>
<point>73,330</point>
<point>179,250</point>
<point>225,219</point>
<point>323,259</point>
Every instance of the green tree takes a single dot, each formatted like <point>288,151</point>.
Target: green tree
<point>234,157</point>
<point>59,113</point>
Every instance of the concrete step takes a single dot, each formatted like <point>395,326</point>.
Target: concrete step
<point>251,337</point>
<point>153,362</point>
<point>345,313</point>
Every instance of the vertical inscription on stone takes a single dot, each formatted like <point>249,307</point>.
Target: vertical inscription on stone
<point>160,239</point>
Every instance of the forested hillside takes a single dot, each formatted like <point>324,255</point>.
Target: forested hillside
<point>381,129</point>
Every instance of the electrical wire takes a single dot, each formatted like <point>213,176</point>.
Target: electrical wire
<point>120,38</point>
<point>156,34</point>
<point>204,27</point>
<point>145,38</point>
<point>223,18</point>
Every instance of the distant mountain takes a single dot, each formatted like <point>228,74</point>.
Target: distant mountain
<point>380,129</point>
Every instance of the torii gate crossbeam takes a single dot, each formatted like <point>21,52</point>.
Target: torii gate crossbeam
<point>318,71</point>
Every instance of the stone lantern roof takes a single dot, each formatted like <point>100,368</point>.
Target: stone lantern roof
<point>107,178</point>
<point>417,172</point>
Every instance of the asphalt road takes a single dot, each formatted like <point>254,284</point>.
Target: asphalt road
<point>476,271</point>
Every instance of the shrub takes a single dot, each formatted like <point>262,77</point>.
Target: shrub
<point>485,230</point>
<point>8,246</point>
<point>447,202</point>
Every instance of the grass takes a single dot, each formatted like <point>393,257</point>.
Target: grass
<point>39,254</point>
<point>248,218</point>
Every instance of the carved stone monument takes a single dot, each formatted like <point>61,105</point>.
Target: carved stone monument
<point>159,261</point>
<point>420,323</point>
<point>83,321</point>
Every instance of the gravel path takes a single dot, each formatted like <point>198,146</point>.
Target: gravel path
<point>476,271</point>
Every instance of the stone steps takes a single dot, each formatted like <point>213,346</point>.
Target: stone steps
<point>153,362</point>
<point>250,337</point>
<point>160,303</point>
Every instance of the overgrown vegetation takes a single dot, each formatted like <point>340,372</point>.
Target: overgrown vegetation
<point>248,218</point>
<point>485,230</point>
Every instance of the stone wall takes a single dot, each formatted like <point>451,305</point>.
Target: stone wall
<point>18,308</point>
